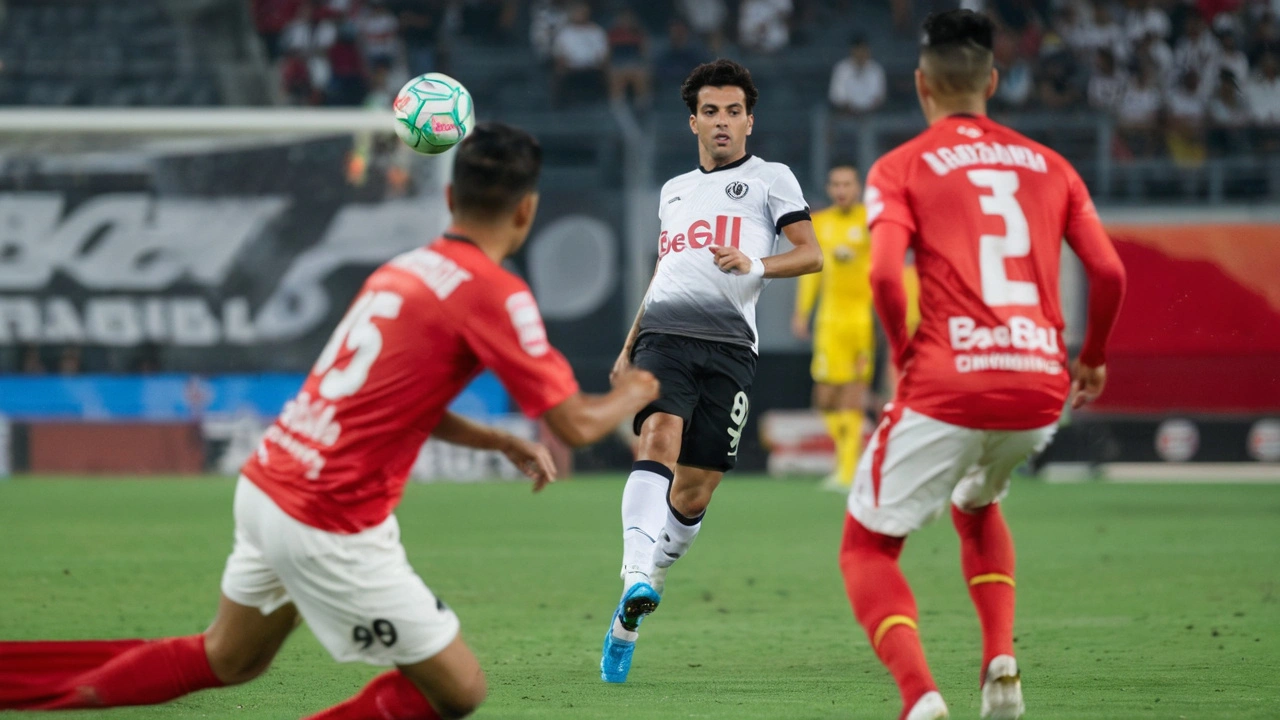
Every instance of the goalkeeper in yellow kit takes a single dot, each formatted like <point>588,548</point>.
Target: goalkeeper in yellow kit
<point>843,329</point>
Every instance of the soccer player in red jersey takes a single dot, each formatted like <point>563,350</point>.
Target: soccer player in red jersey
<point>984,377</point>
<point>315,537</point>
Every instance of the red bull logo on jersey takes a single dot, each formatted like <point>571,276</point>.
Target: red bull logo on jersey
<point>724,230</point>
<point>944,160</point>
<point>1019,334</point>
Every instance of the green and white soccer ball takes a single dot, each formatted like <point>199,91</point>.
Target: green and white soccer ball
<point>433,112</point>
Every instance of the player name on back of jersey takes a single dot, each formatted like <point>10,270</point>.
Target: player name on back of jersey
<point>1040,350</point>
<point>439,273</point>
<point>944,160</point>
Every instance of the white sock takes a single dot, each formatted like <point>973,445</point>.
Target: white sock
<point>644,512</point>
<point>677,536</point>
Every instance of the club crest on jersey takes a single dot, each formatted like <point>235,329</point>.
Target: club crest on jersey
<point>736,190</point>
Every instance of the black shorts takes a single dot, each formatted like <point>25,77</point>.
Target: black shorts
<point>706,384</point>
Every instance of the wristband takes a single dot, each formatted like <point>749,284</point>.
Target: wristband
<point>757,268</point>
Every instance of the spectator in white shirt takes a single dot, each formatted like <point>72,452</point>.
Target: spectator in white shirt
<point>1144,17</point>
<point>309,36</point>
<point>1017,77</point>
<point>1228,117</point>
<point>764,25</point>
<point>546,18</point>
<point>1154,50</point>
<point>1107,84</point>
<point>706,18</point>
<point>1198,49</point>
<point>1108,34</point>
<point>1186,106</point>
<point>581,55</point>
<point>1263,93</point>
<point>1232,57</point>
<point>857,82</point>
<point>379,34</point>
<point>1139,111</point>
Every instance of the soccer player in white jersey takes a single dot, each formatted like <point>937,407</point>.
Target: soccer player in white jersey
<point>696,332</point>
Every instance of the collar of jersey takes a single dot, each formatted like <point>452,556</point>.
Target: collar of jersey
<point>459,238</point>
<point>730,166</point>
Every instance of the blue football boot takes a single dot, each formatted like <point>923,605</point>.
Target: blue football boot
<point>620,640</point>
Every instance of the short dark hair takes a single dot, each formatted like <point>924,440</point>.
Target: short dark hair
<point>955,50</point>
<point>494,168</point>
<point>719,73</point>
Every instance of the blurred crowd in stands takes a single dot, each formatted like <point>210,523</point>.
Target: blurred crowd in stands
<point>1190,79</point>
<point>1186,78</point>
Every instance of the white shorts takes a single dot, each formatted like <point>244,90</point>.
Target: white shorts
<point>914,465</point>
<point>357,592</point>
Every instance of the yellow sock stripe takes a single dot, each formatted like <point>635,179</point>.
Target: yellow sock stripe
<point>992,578</point>
<point>888,624</point>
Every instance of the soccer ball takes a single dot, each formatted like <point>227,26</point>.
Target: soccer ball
<point>433,112</point>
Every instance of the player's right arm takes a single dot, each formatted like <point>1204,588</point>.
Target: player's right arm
<point>1089,240</point>
<point>624,358</point>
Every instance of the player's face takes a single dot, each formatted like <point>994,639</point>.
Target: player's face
<point>843,187</point>
<point>722,123</point>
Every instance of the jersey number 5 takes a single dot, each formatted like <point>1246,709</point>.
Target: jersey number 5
<point>997,288</point>
<point>358,333</point>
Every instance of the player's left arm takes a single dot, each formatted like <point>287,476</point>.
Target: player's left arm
<point>1102,266</point>
<point>533,459</point>
<point>790,215</point>
<point>804,258</point>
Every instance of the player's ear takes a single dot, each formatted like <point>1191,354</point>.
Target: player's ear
<point>693,124</point>
<point>993,83</point>
<point>526,210</point>
<point>448,197</point>
<point>922,90</point>
<point>751,122</point>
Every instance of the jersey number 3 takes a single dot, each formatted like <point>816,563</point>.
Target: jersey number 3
<point>357,333</point>
<point>997,289</point>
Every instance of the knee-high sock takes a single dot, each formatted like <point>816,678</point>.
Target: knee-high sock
<point>644,512</point>
<point>678,535</point>
<point>884,606</point>
<point>987,558</point>
<point>68,675</point>
<point>390,696</point>
<point>849,446</point>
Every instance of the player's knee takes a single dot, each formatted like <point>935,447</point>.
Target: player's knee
<point>660,438</point>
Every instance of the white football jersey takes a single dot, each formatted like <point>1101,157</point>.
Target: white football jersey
<point>745,205</point>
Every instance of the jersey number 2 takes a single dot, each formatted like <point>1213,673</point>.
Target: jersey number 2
<point>358,333</point>
<point>997,288</point>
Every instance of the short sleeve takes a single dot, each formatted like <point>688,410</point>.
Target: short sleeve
<point>786,201</point>
<point>886,197</point>
<point>509,338</point>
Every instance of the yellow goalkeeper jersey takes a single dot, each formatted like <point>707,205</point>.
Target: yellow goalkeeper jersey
<point>842,291</point>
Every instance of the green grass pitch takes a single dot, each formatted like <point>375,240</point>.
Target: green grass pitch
<point>1135,601</point>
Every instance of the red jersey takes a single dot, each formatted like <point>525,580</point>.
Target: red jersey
<point>986,210</point>
<point>423,326</point>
